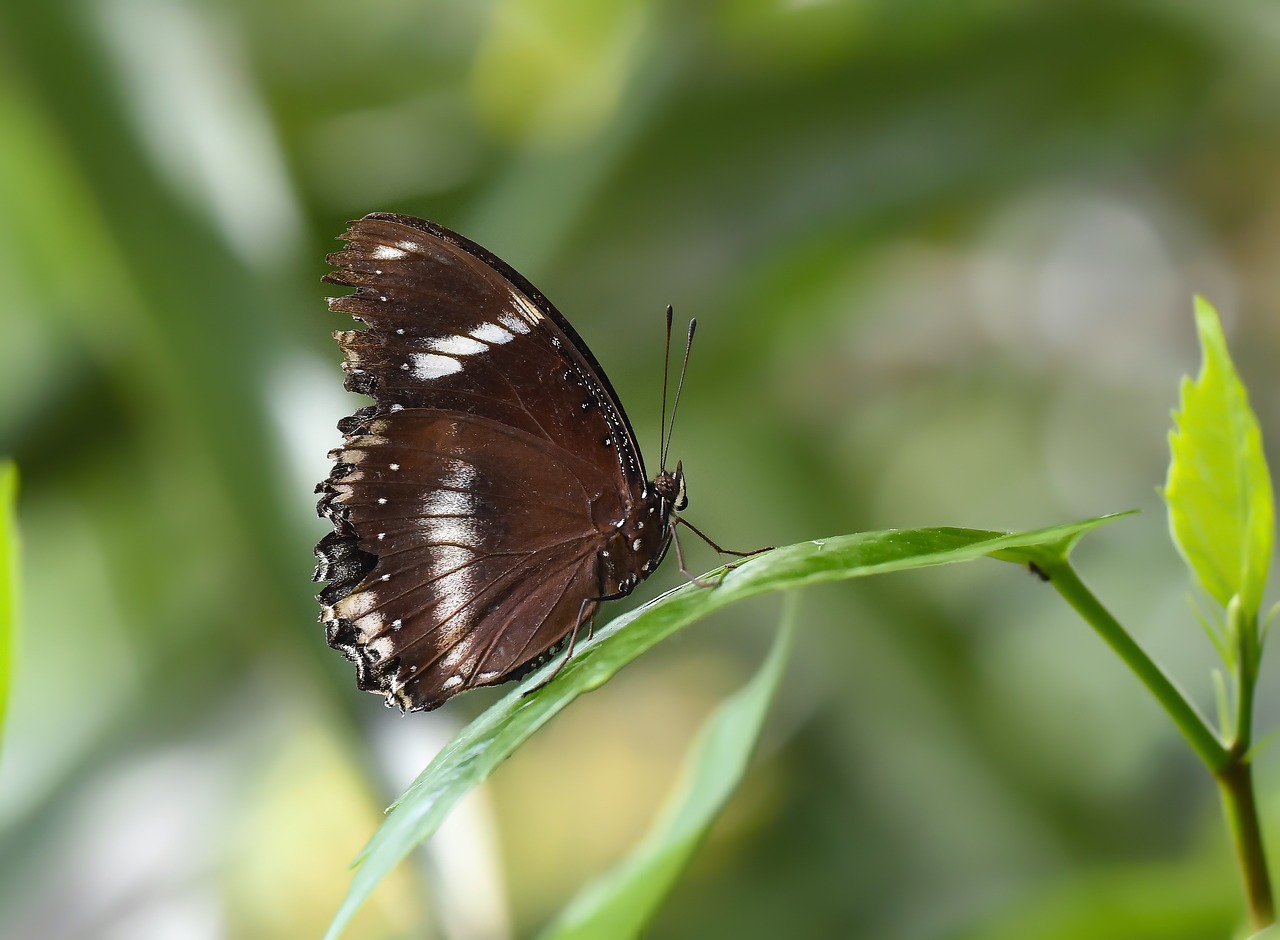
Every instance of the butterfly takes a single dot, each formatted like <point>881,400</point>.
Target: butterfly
<point>493,496</point>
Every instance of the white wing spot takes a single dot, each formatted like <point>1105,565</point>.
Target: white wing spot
<point>514,323</point>
<point>451,683</point>
<point>355,606</point>
<point>395,466</point>
<point>397,624</point>
<point>381,536</point>
<point>492,333</point>
<point>382,500</point>
<point>457,345</point>
<point>448,503</point>
<point>635,546</point>
<point>386,577</point>
<point>383,299</point>
<point>453,657</point>
<point>427,366</point>
<point>407,245</point>
<point>401,408</point>
<point>377,270</point>
<point>528,309</point>
<point>448,521</point>
<point>388,252</point>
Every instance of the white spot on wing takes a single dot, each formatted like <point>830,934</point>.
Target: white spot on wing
<point>389,252</point>
<point>427,366</point>
<point>448,521</point>
<point>492,333</point>
<point>451,683</point>
<point>457,345</point>
<point>530,312</point>
<point>354,606</point>
<point>448,503</point>
<point>511,322</point>
<point>370,624</point>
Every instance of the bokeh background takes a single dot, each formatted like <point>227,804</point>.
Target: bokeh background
<point>942,255</point>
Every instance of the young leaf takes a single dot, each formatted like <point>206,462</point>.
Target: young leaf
<point>485,743</point>
<point>8,579</point>
<point>1218,489</point>
<point>620,904</point>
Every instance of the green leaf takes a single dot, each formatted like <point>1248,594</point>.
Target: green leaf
<point>8,580</point>
<point>621,903</point>
<point>481,746</point>
<point>1218,489</point>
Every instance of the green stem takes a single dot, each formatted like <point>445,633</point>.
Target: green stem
<point>1235,781</point>
<point>1230,766</point>
<point>1242,628</point>
<point>1189,721</point>
<point>1236,785</point>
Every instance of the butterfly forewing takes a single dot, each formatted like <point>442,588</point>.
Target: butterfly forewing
<point>454,328</point>
<point>493,494</point>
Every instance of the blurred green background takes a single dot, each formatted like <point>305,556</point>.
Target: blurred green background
<point>942,256</point>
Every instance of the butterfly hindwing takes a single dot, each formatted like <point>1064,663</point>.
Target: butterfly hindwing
<point>477,540</point>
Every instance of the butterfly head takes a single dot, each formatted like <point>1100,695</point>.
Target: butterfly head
<point>670,486</point>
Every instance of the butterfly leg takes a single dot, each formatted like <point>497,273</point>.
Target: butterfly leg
<point>706,538</point>
<point>700,582</point>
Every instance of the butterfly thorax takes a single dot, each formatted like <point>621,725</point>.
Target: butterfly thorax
<point>640,539</point>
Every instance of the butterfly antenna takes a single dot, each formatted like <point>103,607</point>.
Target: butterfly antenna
<point>679,386</point>
<point>666,365</point>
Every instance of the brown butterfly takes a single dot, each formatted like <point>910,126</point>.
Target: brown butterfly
<point>493,496</point>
